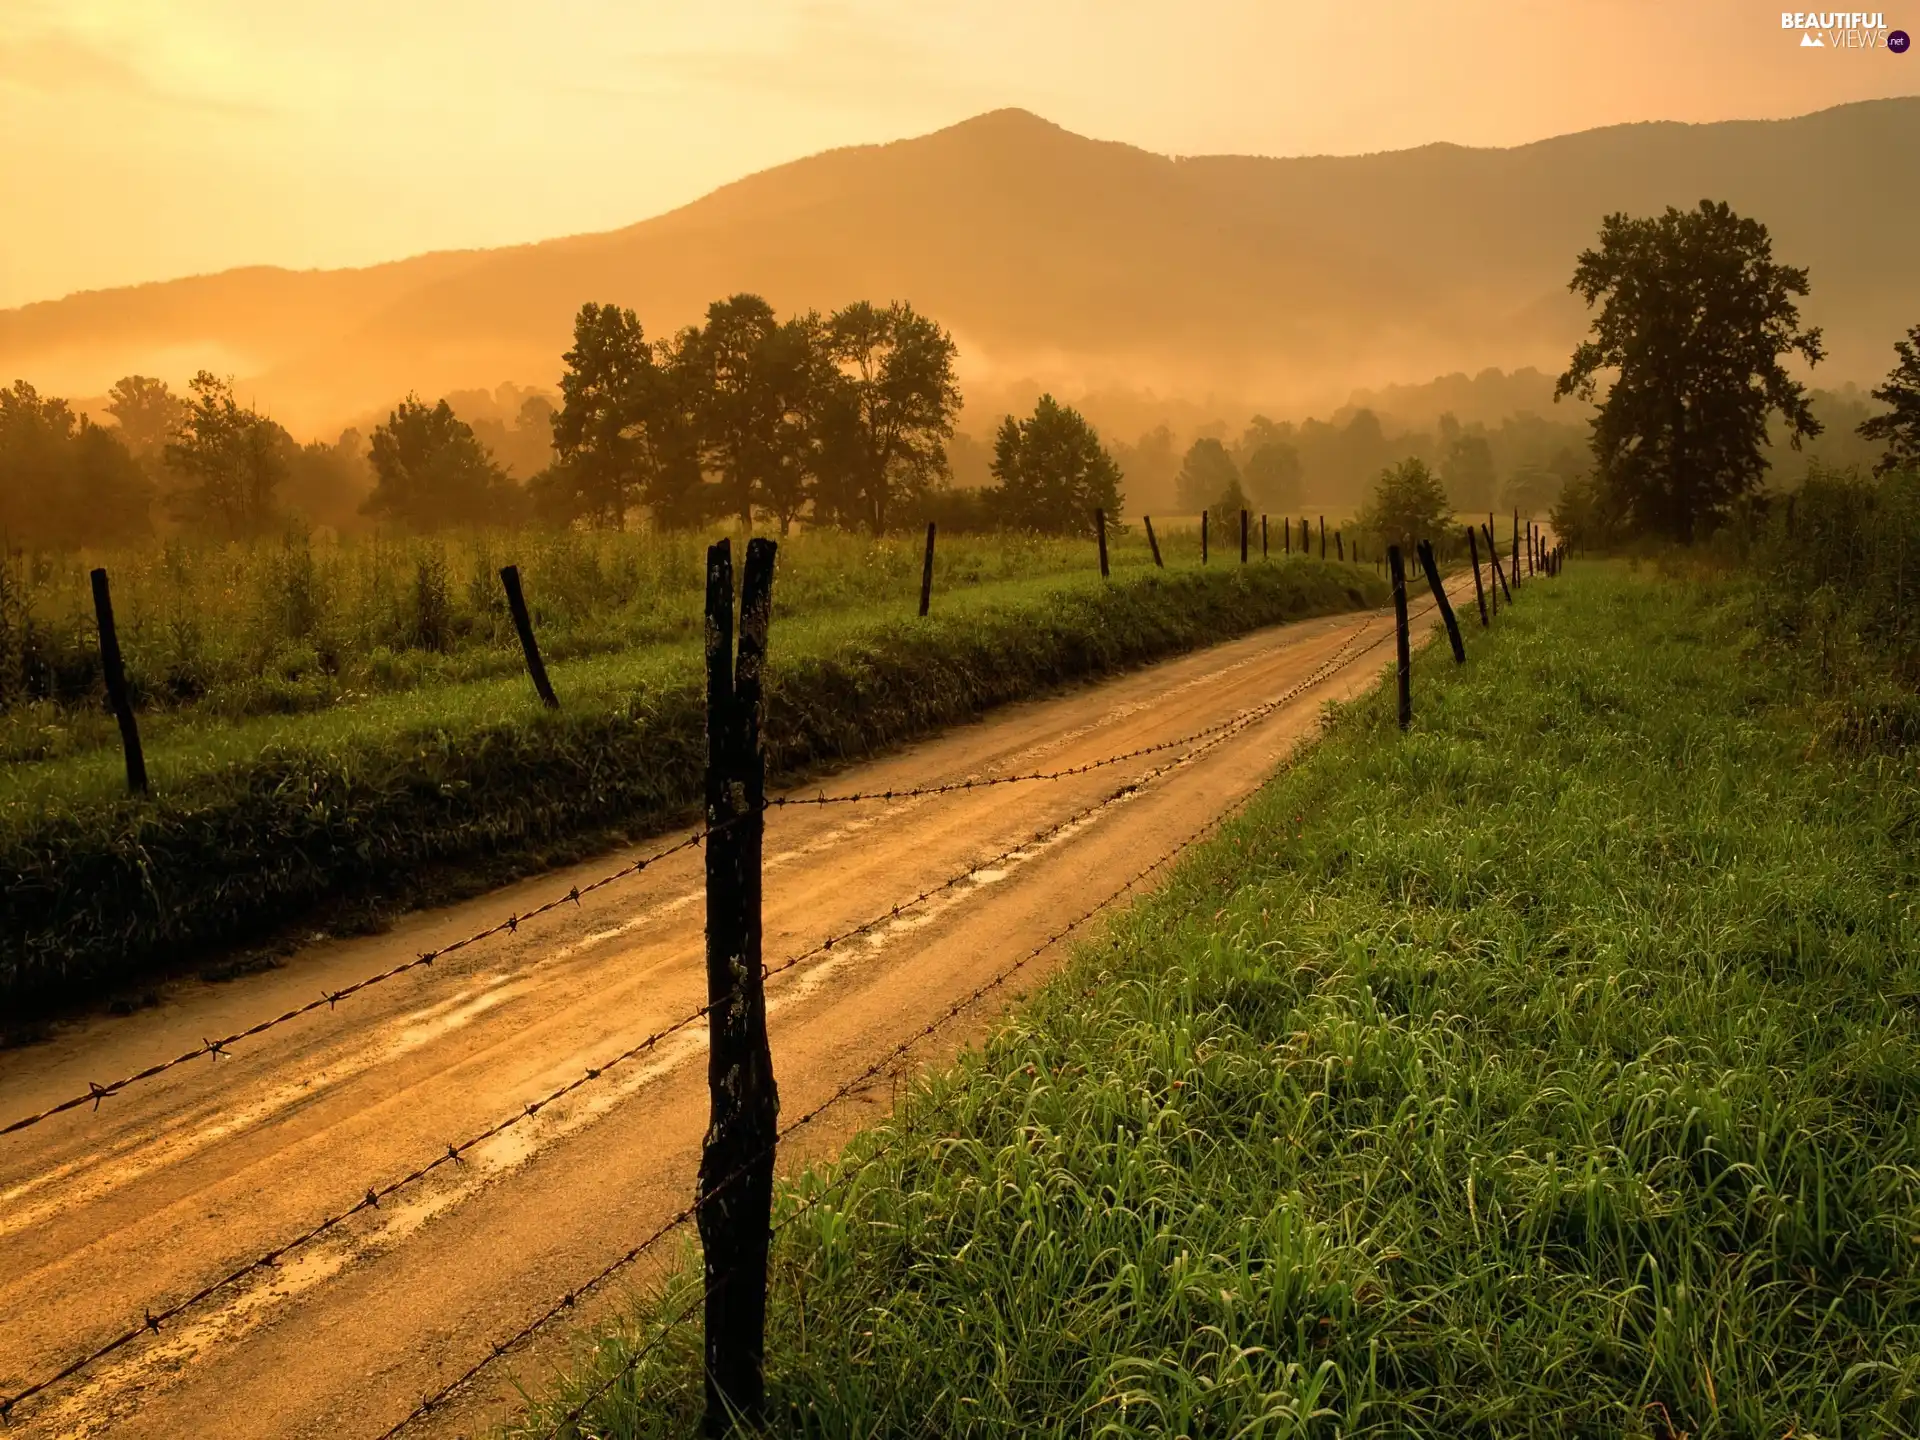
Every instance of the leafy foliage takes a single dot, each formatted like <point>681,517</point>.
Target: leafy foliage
<point>432,472</point>
<point>65,481</point>
<point>1408,505</point>
<point>1205,473</point>
<point>230,459</point>
<point>1053,472</point>
<point>1695,317</point>
<point>1900,426</point>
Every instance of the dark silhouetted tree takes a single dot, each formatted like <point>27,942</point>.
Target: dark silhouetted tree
<point>1272,473</point>
<point>1900,426</point>
<point>1466,465</point>
<point>1408,505</point>
<point>148,413</point>
<point>1052,472</point>
<point>230,460</point>
<point>882,428</point>
<point>64,481</point>
<point>1694,319</point>
<point>430,472</point>
<point>1204,475</point>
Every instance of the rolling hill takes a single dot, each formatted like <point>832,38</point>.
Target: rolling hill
<point>1074,262</point>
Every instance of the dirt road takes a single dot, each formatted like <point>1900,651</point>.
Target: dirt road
<point>108,1213</point>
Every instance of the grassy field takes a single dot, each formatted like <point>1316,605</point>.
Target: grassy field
<point>254,820</point>
<point>1551,1070</point>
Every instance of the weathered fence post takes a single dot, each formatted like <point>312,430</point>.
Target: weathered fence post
<point>1286,535</point>
<point>736,1162</point>
<point>1153,543</point>
<point>1323,537</point>
<point>926,575</point>
<point>1493,558</point>
<point>1339,548</point>
<point>1402,650</point>
<point>523,626</point>
<point>1100,530</point>
<point>1263,537</point>
<point>1203,537</point>
<point>116,677</point>
<point>1425,550</point>
<point>1243,537</point>
<point>1479,594</point>
<point>1516,548</point>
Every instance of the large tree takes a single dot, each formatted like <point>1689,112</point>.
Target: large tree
<point>1466,464</point>
<point>1205,474</point>
<point>625,434</point>
<point>230,460</point>
<point>1408,505</point>
<point>65,481</point>
<point>431,472</point>
<point>885,423</point>
<point>1272,472</point>
<point>1053,472</point>
<point>1695,318</point>
<point>148,412</point>
<point>1900,426</point>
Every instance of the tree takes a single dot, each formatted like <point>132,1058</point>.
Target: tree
<point>1695,317</point>
<point>230,458</point>
<point>431,472</point>
<point>1466,465</point>
<point>884,424</point>
<point>625,432</point>
<point>148,413</point>
<point>1225,510</point>
<point>1052,472</point>
<point>1273,475</point>
<point>65,481</point>
<point>1408,505</point>
<point>1900,426</point>
<point>1204,475</point>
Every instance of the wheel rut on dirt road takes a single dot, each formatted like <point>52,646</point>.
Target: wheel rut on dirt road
<point>107,1214</point>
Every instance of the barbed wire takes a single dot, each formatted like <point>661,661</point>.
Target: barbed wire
<point>328,999</point>
<point>152,1321</point>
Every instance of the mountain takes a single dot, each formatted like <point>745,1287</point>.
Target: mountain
<point>1070,262</point>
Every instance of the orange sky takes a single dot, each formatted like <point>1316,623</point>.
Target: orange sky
<point>153,138</point>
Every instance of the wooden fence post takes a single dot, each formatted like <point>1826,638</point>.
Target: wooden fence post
<point>1493,559</point>
<point>1153,543</point>
<point>926,575</point>
<point>523,626</point>
<point>1402,650</point>
<point>1100,529</point>
<point>736,1161</point>
<point>1339,547</point>
<point>116,677</point>
<point>1425,551</point>
<point>1479,594</point>
<point>1286,535</point>
<point>1203,537</point>
<point>1323,537</point>
<point>1263,537</point>
<point>1516,549</point>
<point>1243,537</point>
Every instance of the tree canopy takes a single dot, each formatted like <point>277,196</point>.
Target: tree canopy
<point>1408,505</point>
<point>431,473</point>
<point>1899,428</point>
<point>1204,475</point>
<point>65,481</point>
<point>229,459</point>
<point>1695,317</point>
<point>1053,472</point>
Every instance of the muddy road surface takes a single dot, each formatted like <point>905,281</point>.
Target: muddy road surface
<point>175,1183</point>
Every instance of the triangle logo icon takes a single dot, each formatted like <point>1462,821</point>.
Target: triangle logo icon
<point>1812,42</point>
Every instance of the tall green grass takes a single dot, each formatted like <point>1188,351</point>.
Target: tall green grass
<point>1552,1070</point>
<point>251,823</point>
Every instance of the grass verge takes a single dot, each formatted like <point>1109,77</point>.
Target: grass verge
<point>251,824</point>
<point>1550,1070</point>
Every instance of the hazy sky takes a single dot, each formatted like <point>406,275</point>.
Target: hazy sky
<point>152,138</point>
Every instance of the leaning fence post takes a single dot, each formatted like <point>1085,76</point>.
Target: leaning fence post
<point>116,677</point>
<point>1243,537</point>
<point>736,1161</point>
<point>1339,547</point>
<point>523,626</point>
<point>1425,551</point>
<point>1100,529</point>
<point>1402,650</point>
<point>1493,559</point>
<point>1153,543</point>
<point>926,575</point>
<point>1473,547</point>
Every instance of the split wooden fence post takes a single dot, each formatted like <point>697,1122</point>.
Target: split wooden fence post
<point>1402,650</point>
<point>1153,543</point>
<point>117,695</point>
<point>1425,551</point>
<point>1100,529</point>
<point>523,626</point>
<point>736,1162</point>
<point>1479,593</point>
<point>926,575</point>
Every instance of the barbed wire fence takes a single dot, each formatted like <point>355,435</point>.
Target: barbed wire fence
<point>732,1206</point>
